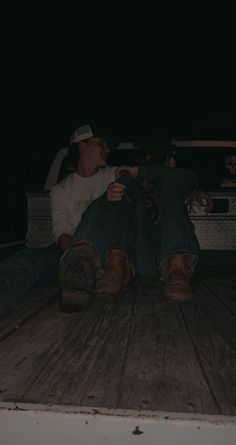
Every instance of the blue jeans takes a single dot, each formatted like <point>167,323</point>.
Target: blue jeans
<point>25,268</point>
<point>111,225</point>
<point>175,233</point>
<point>104,224</point>
<point>123,225</point>
<point>114,225</point>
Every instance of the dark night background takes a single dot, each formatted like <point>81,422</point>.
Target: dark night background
<point>128,70</point>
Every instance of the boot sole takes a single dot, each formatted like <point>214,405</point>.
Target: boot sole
<point>119,294</point>
<point>74,301</point>
<point>80,268</point>
<point>178,295</point>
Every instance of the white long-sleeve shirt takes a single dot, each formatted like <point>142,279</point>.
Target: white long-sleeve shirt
<point>71,197</point>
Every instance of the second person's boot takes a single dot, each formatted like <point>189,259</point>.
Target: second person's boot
<point>176,277</point>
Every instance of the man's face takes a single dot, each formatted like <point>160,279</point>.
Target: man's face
<point>97,150</point>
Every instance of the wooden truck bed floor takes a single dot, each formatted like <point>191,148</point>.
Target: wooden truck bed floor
<point>138,352</point>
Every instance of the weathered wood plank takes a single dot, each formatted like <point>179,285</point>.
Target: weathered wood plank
<point>220,280</point>
<point>25,353</point>
<point>212,329</point>
<point>88,367</point>
<point>34,301</point>
<point>224,288</point>
<point>162,371</point>
<point>139,352</point>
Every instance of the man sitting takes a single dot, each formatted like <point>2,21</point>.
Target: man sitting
<point>102,233</point>
<point>114,230</point>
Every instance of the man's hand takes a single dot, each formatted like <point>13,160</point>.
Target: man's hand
<point>64,241</point>
<point>124,169</point>
<point>170,162</point>
<point>202,198</point>
<point>115,191</point>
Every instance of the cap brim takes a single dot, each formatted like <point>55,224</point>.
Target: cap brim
<point>101,132</point>
<point>112,141</point>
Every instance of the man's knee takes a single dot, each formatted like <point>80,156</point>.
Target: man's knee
<point>132,186</point>
<point>177,176</point>
<point>126,179</point>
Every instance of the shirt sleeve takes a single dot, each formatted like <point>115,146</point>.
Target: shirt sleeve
<point>59,212</point>
<point>111,174</point>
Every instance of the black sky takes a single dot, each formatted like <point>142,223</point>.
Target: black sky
<point>131,70</point>
<point>127,69</point>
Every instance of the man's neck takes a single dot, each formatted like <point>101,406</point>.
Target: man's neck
<point>85,169</point>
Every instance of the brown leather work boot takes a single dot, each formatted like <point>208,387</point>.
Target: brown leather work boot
<point>77,276</point>
<point>80,268</point>
<point>176,277</point>
<point>117,275</point>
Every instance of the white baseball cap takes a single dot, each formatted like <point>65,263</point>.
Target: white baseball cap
<point>86,132</point>
<point>81,133</point>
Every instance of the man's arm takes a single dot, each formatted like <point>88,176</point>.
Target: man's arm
<point>150,171</point>
<point>63,241</point>
<point>60,218</point>
<point>153,171</point>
